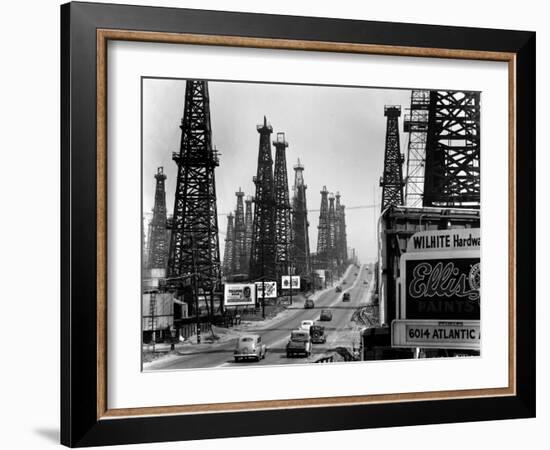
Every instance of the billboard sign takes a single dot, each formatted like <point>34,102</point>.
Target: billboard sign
<point>239,294</point>
<point>440,277</point>
<point>436,334</point>
<point>286,281</point>
<point>270,289</point>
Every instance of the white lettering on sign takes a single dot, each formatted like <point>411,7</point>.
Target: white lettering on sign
<point>442,280</point>
<point>453,239</point>
<point>436,334</point>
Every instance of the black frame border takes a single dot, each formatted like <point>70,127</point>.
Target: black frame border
<point>79,423</point>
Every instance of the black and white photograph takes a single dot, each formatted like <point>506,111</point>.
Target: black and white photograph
<point>307,224</point>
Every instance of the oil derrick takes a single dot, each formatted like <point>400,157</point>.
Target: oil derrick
<point>331,251</point>
<point>248,228</point>
<point>338,231</point>
<point>323,231</point>
<point>194,246</point>
<point>343,235</point>
<point>282,208</point>
<point>228,251</point>
<point>240,263</point>
<point>392,180</point>
<point>158,244</point>
<point>300,224</point>
<point>416,124</point>
<point>452,150</point>
<point>262,254</point>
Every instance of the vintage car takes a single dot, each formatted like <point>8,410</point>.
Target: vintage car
<point>326,315</point>
<point>299,344</point>
<point>344,282</point>
<point>249,347</point>
<point>308,304</point>
<point>317,334</point>
<point>365,282</point>
<point>306,325</point>
<point>346,297</point>
<point>338,289</point>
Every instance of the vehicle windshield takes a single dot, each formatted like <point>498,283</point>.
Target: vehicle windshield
<point>247,339</point>
<point>299,336</point>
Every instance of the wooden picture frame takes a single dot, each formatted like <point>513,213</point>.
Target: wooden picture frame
<point>85,417</point>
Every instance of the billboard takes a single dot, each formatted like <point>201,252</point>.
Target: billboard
<point>286,282</point>
<point>270,289</point>
<point>436,334</point>
<point>239,294</point>
<point>439,291</point>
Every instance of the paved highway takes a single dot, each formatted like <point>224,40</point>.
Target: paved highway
<point>275,332</point>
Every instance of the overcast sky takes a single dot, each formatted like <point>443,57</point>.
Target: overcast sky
<point>337,132</point>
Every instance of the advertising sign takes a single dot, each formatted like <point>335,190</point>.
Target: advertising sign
<point>441,277</point>
<point>286,280</point>
<point>436,334</point>
<point>239,294</point>
<point>442,288</point>
<point>445,240</point>
<point>270,289</point>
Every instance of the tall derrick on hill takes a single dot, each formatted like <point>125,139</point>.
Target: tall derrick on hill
<point>263,251</point>
<point>300,224</point>
<point>194,246</point>
<point>240,263</point>
<point>248,223</point>
<point>323,230</point>
<point>228,250</point>
<point>392,179</point>
<point>282,208</point>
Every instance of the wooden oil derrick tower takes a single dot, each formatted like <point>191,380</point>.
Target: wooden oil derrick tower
<point>392,179</point>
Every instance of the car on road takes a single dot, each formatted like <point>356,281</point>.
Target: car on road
<point>355,274</point>
<point>338,289</point>
<point>249,346</point>
<point>346,297</point>
<point>299,344</point>
<point>308,304</point>
<point>326,315</point>
<point>306,324</point>
<point>317,334</point>
<point>365,282</point>
<point>344,282</point>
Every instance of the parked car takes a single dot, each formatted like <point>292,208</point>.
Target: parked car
<point>317,334</point>
<point>326,315</point>
<point>346,297</point>
<point>249,347</point>
<point>306,324</point>
<point>308,304</point>
<point>338,289</point>
<point>299,344</point>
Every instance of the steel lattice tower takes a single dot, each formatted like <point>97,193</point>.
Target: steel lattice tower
<point>338,230</point>
<point>416,124</point>
<point>282,208</point>
<point>262,254</point>
<point>452,150</point>
<point>248,223</point>
<point>228,250</point>
<point>158,247</point>
<point>343,233</point>
<point>194,246</point>
<point>240,263</point>
<point>392,180</point>
<point>331,253</point>
<point>323,231</point>
<point>300,224</point>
